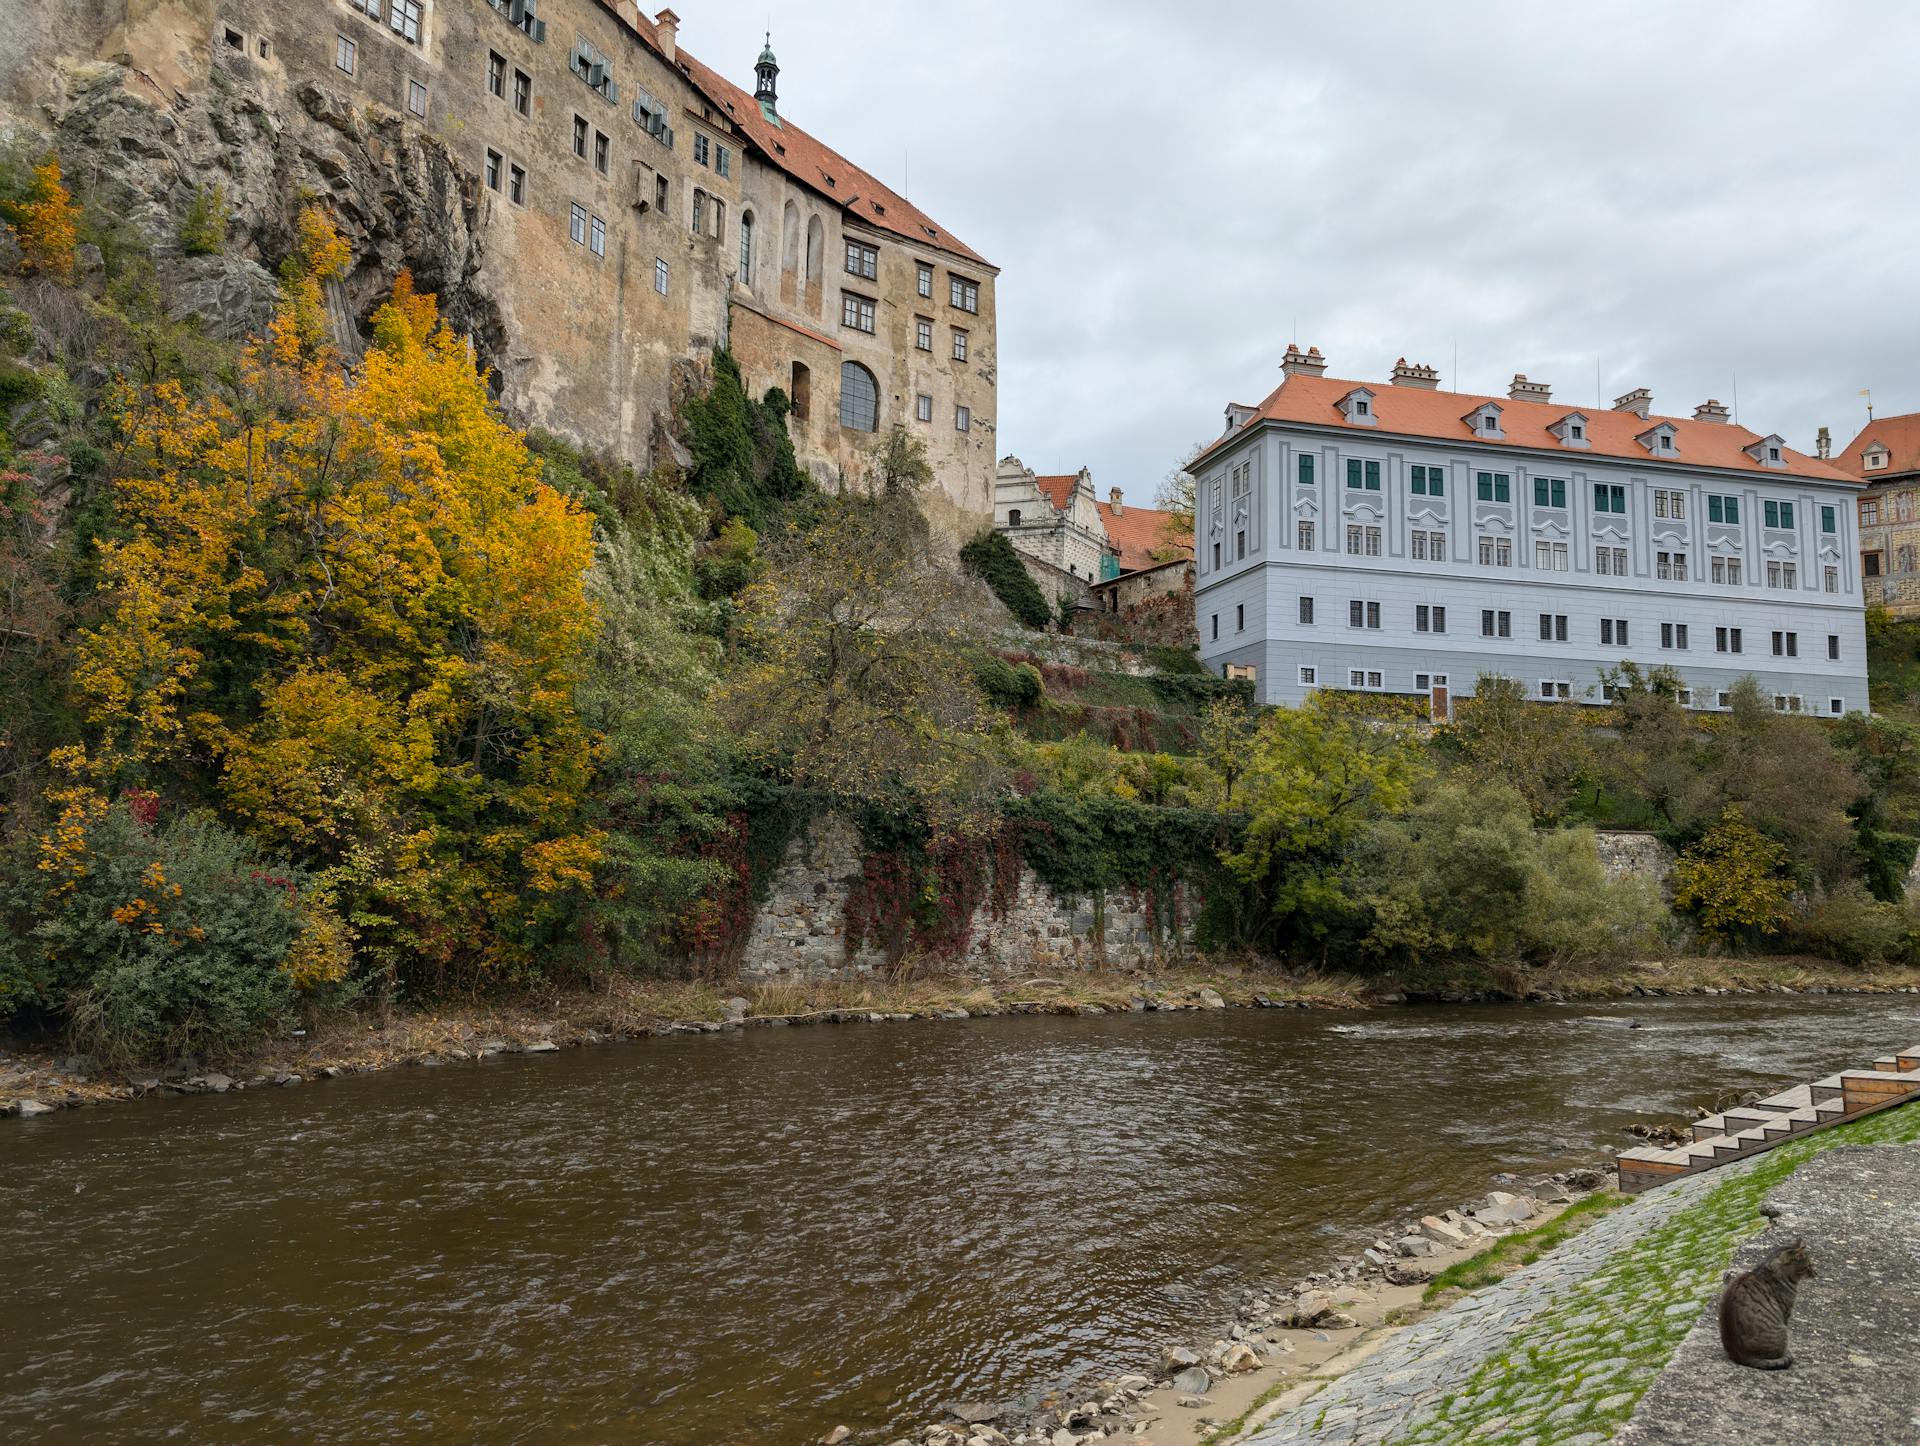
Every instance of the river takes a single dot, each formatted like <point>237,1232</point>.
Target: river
<point>753,1237</point>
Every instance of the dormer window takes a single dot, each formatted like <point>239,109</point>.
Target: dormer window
<point>1874,460</point>
<point>1357,407</point>
<point>1571,430</point>
<point>1659,440</point>
<point>1769,451</point>
<point>1484,422</point>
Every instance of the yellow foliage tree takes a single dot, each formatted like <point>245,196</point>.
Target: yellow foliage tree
<point>1734,879</point>
<point>350,598</point>
<point>46,222</point>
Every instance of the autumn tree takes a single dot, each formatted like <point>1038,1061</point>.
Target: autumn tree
<point>345,604</point>
<point>1537,749</point>
<point>1734,879</point>
<point>45,221</point>
<point>1175,498</point>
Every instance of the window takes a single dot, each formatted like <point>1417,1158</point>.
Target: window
<point>1306,471</point>
<point>578,229</point>
<point>602,152</point>
<point>1362,407</point>
<point>1363,476</point>
<point>723,160</point>
<point>1786,702</point>
<point>1609,497</point>
<point>1216,626</point>
<point>1773,454</point>
<point>923,412</point>
<point>1429,619</point>
<point>1240,545</point>
<point>1832,579</point>
<point>1308,676</point>
<point>746,247</point>
<point>1836,706</point>
<point>1610,561</point>
<point>496,74</point>
<point>1673,635</point>
<point>959,345</point>
<point>964,294</point>
<point>1670,566</point>
<point>963,422</point>
<point>699,211</point>
<point>862,261</point>
<point>1556,688</point>
<point>661,194</point>
<point>344,52</point>
<point>1726,640</point>
<point>1549,492</point>
<point>1304,533</point>
<point>580,132</point>
<point>522,93</point>
<point>1870,513</point>
<point>1553,627</point>
<point>1362,678</point>
<point>1496,552</point>
<point>404,17</point>
<point>1428,481</point>
<point>660,281</point>
<point>1493,487</point>
<point>1239,617</point>
<point>856,312</point>
<point>1550,556</point>
<point>1779,514</point>
<point>923,281</point>
<point>1786,645</point>
<point>923,334</point>
<point>1726,570</point>
<point>859,398</point>
<point>492,171</point>
<point>1306,611</point>
<point>416,98</point>
<point>597,236</point>
<point>1870,564</point>
<point>1829,522</point>
<point>1783,574</point>
<point>1424,682</point>
<point>1613,632</point>
<point>1362,540</point>
<point>1723,509</point>
<point>1363,614</point>
<point>517,185</point>
<point>1495,624</point>
<point>1668,503</point>
<point>1216,557</point>
<point>702,149</point>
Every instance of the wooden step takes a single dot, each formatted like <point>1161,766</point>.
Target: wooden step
<point>1862,1089</point>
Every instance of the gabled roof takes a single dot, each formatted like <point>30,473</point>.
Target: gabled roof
<point>811,162</point>
<point>1058,490</point>
<point>1136,534</point>
<point>1899,435</point>
<point>1441,416</point>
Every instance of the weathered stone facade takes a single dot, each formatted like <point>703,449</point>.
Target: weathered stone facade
<point>1629,854</point>
<point>597,255</point>
<point>801,929</point>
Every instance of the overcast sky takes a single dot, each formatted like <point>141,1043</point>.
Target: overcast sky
<point>1654,194</point>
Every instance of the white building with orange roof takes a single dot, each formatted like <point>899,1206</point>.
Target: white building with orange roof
<point>1059,521</point>
<point>1392,537</point>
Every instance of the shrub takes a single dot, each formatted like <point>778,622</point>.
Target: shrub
<point>991,558</point>
<point>1848,925</point>
<point>168,940</point>
<point>1005,684</point>
<point>203,230</point>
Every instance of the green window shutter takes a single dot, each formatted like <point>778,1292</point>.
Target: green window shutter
<point>1417,481</point>
<point>1599,497</point>
<point>1541,492</point>
<point>1713,510</point>
<point>1560,492</point>
<point>1373,476</point>
<point>1353,471</point>
<point>1437,481</point>
<point>1306,470</point>
<point>1826,519</point>
<point>1483,485</point>
<point>1786,514</point>
<point>1502,487</point>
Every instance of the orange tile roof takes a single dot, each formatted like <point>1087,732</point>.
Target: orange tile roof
<point>1899,435</point>
<point>1415,412</point>
<point>814,164</point>
<point>1137,534</point>
<point>1058,490</point>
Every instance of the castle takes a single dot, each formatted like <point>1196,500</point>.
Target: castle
<point>599,209</point>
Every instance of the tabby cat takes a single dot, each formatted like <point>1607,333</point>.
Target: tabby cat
<point>1755,1306</point>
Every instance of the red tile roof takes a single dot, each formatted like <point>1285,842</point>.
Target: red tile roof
<point>1899,435</point>
<point>1137,534</point>
<point>811,162</point>
<point>1058,490</point>
<point>1415,412</point>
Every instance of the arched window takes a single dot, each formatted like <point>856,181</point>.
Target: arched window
<point>802,395</point>
<point>816,246</point>
<point>1013,518</point>
<point>746,248</point>
<point>859,398</point>
<point>790,238</point>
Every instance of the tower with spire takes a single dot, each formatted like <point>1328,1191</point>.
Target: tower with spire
<point>766,70</point>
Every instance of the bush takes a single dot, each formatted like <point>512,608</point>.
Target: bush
<point>203,230</point>
<point>1008,685</point>
<point>171,940</point>
<point>1849,926</point>
<point>990,557</point>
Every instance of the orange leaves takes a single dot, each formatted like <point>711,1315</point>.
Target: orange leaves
<point>46,222</point>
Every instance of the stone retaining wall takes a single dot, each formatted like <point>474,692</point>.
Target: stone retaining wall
<point>1629,854</point>
<point>801,929</point>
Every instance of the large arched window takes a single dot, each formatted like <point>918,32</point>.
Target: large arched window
<point>802,395</point>
<point>859,398</point>
<point>746,248</point>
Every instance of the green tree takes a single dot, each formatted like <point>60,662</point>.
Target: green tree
<point>1539,750</point>
<point>1734,879</point>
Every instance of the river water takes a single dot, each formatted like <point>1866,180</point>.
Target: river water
<point>752,1237</point>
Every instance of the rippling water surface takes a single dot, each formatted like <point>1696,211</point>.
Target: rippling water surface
<point>752,1237</point>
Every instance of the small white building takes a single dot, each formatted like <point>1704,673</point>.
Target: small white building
<point>1055,519</point>
<point>1392,537</point>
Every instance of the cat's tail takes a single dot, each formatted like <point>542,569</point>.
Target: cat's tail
<point>1773,1363</point>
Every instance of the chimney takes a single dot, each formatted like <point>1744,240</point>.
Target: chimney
<point>1522,390</point>
<point>666,28</point>
<point>1639,401</point>
<point>1412,374</point>
<point>1119,508</point>
<point>1308,363</point>
<point>1709,411</point>
<point>1823,445</point>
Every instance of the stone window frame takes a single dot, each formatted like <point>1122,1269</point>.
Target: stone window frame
<point>862,260</point>
<point>959,344</point>
<point>923,412</point>
<point>597,235</point>
<point>963,419</point>
<point>577,224</point>
<point>516,183</point>
<point>493,169</point>
<point>346,54</point>
<point>496,75</point>
<point>522,101</point>
<point>923,333</point>
<point>964,295</point>
<point>602,152</point>
<point>582,136</point>
<point>416,91</point>
<point>661,275</point>
<point>857,312</point>
<point>923,280</point>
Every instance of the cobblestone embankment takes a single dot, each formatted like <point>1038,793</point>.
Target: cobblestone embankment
<point>1561,1352</point>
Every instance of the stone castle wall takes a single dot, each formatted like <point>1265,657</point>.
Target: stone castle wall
<point>1630,854</point>
<point>801,928</point>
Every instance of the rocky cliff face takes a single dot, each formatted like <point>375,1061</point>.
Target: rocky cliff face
<point>396,193</point>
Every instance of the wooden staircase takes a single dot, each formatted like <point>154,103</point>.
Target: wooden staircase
<point>1751,1129</point>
